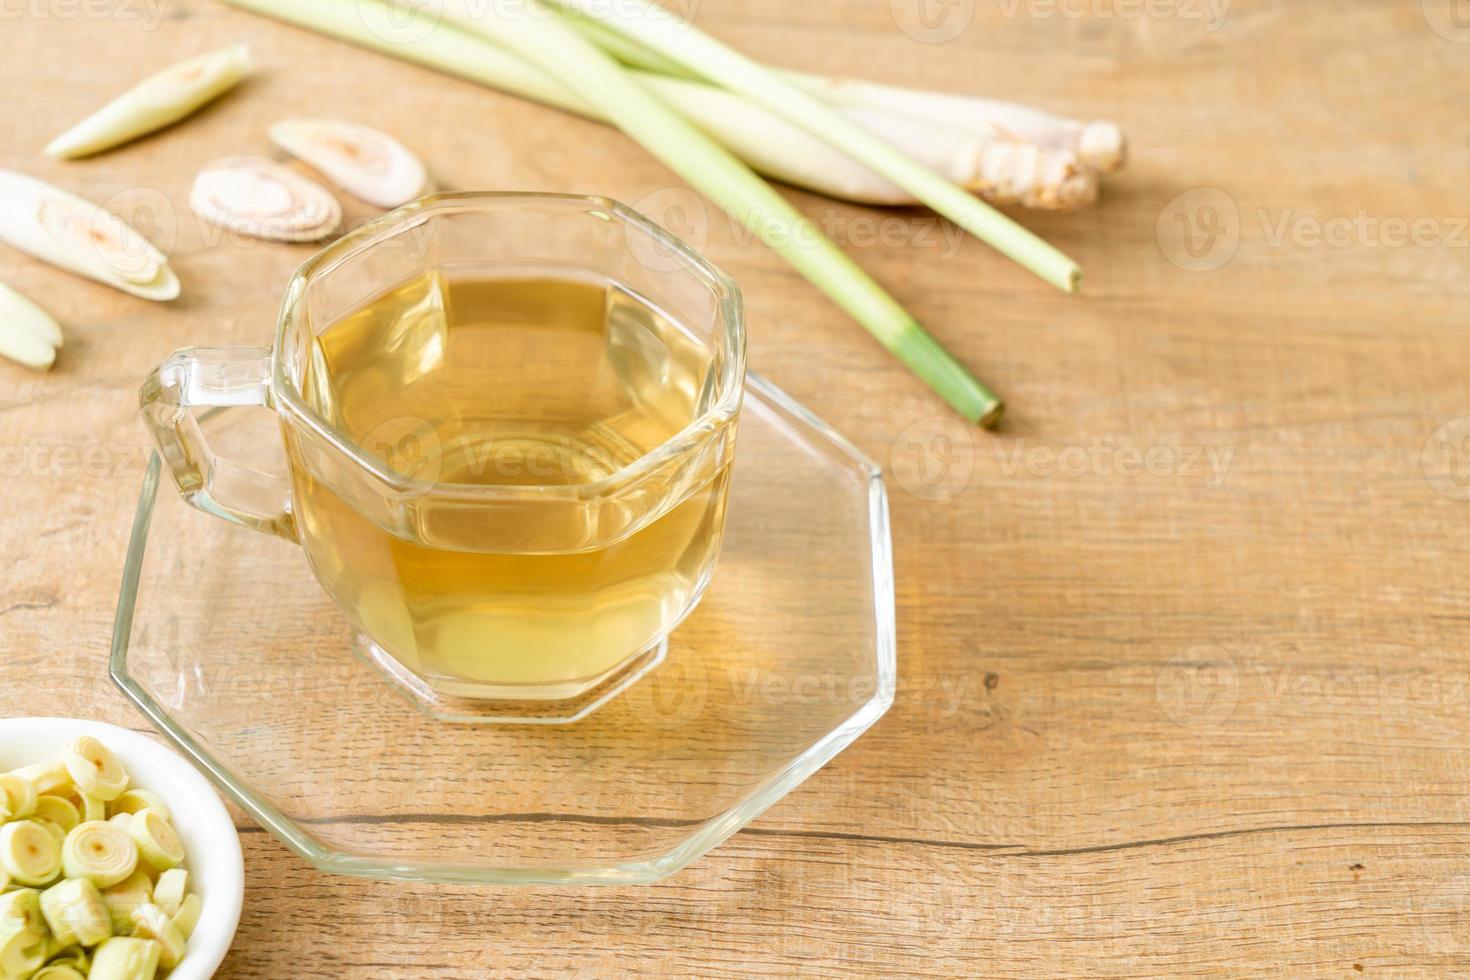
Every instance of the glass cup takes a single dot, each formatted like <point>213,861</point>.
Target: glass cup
<point>506,508</point>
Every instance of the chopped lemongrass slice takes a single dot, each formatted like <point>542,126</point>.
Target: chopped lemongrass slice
<point>58,971</point>
<point>21,909</point>
<point>187,917</point>
<point>125,896</point>
<point>20,795</point>
<point>150,922</point>
<point>93,808</point>
<point>153,103</point>
<point>122,820</point>
<point>22,952</point>
<point>157,842</point>
<point>48,776</point>
<point>125,958</point>
<point>75,912</point>
<point>101,852</point>
<point>58,811</point>
<point>78,236</point>
<point>169,892</point>
<point>94,768</point>
<point>263,199</point>
<point>54,829</point>
<point>138,799</point>
<point>364,162</point>
<point>29,854</point>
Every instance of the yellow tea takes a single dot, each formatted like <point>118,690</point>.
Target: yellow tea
<point>539,385</point>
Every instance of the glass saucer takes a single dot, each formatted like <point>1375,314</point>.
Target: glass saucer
<point>226,642</point>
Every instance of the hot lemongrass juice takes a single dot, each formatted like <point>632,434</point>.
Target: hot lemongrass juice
<point>542,384</point>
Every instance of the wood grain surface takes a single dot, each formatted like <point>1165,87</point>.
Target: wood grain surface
<point>1185,672</point>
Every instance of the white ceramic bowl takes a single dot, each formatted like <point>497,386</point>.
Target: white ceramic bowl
<point>216,866</point>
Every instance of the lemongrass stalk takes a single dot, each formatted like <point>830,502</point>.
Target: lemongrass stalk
<point>1098,144</point>
<point>601,83</point>
<point>686,44</point>
<point>764,141</point>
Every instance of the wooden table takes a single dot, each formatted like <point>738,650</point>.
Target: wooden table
<point>1186,688</point>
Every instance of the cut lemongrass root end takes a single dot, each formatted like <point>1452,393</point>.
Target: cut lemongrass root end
<point>263,199</point>
<point>78,896</point>
<point>155,102</point>
<point>366,163</point>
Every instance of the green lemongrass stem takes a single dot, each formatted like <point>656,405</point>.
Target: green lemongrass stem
<point>717,62</point>
<point>1098,144</point>
<point>766,142</point>
<point>571,64</point>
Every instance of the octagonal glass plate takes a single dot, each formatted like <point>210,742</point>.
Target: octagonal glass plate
<point>225,641</point>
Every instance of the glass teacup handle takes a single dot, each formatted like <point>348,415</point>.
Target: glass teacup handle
<point>215,377</point>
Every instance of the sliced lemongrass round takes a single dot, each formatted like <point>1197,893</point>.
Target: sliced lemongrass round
<point>58,810</point>
<point>93,808</point>
<point>157,842</point>
<point>155,102</point>
<point>54,829</point>
<point>364,162</point>
<point>263,199</point>
<point>20,795</point>
<point>125,896</point>
<point>21,909</point>
<point>29,853</point>
<point>101,852</point>
<point>94,768</point>
<point>78,236</point>
<point>63,954</point>
<point>150,922</point>
<point>187,917</point>
<point>122,820</point>
<point>58,971</point>
<point>125,958</point>
<point>138,799</point>
<point>75,913</point>
<point>49,777</point>
<point>169,892</point>
<point>22,952</point>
